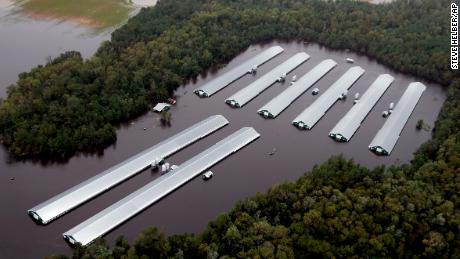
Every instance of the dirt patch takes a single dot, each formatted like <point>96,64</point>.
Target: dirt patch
<point>79,20</point>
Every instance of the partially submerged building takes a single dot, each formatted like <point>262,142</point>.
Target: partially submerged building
<point>310,116</point>
<point>62,203</point>
<point>386,138</point>
<point>248,93</point>
<point>278,104</point>
<point>161,107</point>
<point>234,74</point>
<point>134,203</point>
<point>349,124</point>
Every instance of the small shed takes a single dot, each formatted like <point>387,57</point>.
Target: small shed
<point>162,107</point>
<point>350,60</point>
<point>208,175</point>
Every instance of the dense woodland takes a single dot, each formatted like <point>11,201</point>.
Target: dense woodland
<point>339,209</point>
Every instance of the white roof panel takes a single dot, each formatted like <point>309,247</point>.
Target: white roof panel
<point>388,135</point>
<point>310,116</point>
<point>161,106</point>
<point>349,124</point>
<point>274,107</point>
<point>248,93</point>
<point>134,203</point>
<point>232,75</point>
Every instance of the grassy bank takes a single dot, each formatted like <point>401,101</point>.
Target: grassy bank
<point>93,13</point>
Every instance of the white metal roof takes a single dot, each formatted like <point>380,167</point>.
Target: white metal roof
<point>129,206</point>
<point>388,135</point>
<point>227,78</point>
<point>246,94</point>
<point>288,96</point>
<point>310,116</point>
<point>350,123</point>
<point>62,203</point>
<point>161,106</point>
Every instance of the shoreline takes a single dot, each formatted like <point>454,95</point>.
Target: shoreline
<point>86,18</point>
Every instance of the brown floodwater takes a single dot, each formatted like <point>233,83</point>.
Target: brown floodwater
<point>243,174</point>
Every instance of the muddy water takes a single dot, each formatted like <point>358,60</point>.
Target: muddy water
<point>25,43</point>
<point>243,174</point>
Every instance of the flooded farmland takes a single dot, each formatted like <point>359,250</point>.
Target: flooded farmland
<point>252,170</point>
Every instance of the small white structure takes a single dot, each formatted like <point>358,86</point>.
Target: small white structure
<point>157,162</point>
<point>392,106</point>
<point>161,107</point>
<point>253,69</point>
<point>355,101</point>
<point>265,114</point>
<point>350,60</point>
<point>165,168</point>
<point>315,91</point>
<point>301,124</point>
<point>385,114</point>
<point>174,167</point>
<point>282,78</point>
<point>343,95</point>
<point>208,175</point>
<point>294,78</point>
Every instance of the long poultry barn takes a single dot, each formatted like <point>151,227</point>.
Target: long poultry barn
<point>234,74</point>
<point>386,138</point>
<point>349,124</point>
<point>64,202</point>
<point>278,104</point>
<point>278,74</point>
<point>134,203</point>
<point>310,116</point>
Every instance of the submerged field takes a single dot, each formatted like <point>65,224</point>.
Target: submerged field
<point>251,170</point>
<point>93,13</point>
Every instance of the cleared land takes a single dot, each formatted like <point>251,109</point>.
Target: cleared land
<point>93,13</point>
